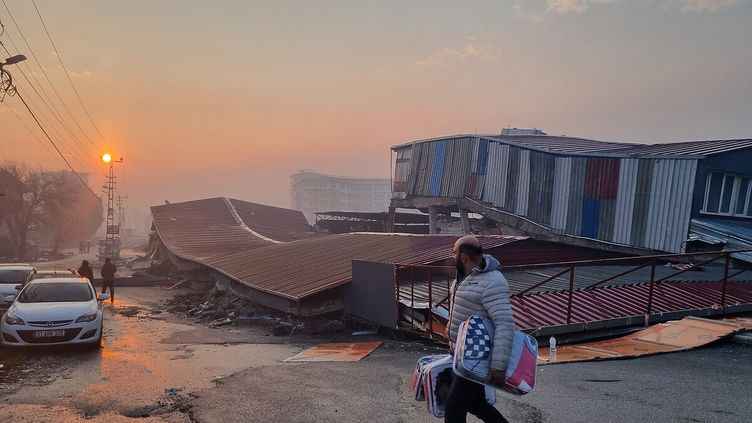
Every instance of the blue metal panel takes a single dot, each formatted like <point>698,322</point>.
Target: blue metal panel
<point>438,168</point>
<point>590,215</point>
<point>482,156</point>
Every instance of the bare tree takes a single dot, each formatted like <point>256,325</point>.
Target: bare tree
<point>26,193</point>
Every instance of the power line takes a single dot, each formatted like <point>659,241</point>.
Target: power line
<point>49,81</point>
<point>54,112</point>
<point>15,113</point>
<point>65,70</point>
<point>20,97</point>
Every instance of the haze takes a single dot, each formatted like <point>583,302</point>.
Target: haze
<point>229,98</point>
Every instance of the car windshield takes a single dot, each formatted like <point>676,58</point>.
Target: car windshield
<point>56,292</point>
<point>13,276</point>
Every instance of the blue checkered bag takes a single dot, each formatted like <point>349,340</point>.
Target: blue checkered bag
<point>472,353</point>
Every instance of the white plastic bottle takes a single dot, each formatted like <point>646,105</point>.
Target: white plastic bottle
<point>552,349</point>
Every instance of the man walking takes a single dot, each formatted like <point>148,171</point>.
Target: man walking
<point>108,278</point>
<point>479,290</point>
<point>85,271</point>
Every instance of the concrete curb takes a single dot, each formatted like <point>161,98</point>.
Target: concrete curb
<point>744,338</point>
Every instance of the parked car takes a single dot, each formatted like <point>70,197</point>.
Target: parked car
<point>46,274</point>
<point>56,311</point>
<point>12,275</point>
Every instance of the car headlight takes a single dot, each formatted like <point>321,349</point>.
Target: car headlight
<point>13,320</point>
<point>88,317</point>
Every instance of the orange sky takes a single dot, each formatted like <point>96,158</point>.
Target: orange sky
<point>231,97</point>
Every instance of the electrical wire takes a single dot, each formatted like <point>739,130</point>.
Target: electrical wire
<point>49,80</point>
<point>39,140</point>
<point>60,153</point>
<point>65,70</point>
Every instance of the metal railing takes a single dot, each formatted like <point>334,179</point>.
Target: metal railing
<point>426,283</point>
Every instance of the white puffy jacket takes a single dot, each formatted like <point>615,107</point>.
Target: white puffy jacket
<point>485,293</point>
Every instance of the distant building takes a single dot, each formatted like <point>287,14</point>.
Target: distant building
<point>313,192</point>
<point>628,197</point>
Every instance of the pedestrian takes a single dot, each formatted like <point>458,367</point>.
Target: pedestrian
<point>85,271</point>
<point>108,278</point>
<point>88,247</point>
<point>479,290</point>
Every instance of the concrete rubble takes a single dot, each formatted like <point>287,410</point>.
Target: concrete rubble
<point>221,308</point>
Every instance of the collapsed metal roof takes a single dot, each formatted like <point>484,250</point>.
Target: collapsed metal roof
<point>200,229</point>
<point>299,269</point>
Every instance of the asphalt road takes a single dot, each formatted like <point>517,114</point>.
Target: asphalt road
<point>237,375</point>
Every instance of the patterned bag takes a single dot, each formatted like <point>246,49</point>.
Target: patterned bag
<point>472,356</point>
<point>416,383</point>
<point>437,379</point>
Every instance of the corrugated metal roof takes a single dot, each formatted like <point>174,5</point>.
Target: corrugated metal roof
<point>544,309</point>
<point>196,230</point>
<point>573,145</point>
<point>690,148</point>
<point>299,269</point>
<point>736,235</point>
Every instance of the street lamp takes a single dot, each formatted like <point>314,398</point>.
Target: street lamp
<point>14,59</point>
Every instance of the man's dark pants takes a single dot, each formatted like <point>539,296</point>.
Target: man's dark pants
<point>466,396</point>
<point>111,285</point>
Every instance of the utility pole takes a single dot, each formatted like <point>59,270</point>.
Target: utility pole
<point>122,205</point>
<point>111,246</point>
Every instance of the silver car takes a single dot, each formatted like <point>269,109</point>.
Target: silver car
<point>11,276</point>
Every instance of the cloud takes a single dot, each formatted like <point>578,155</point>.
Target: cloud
<point>702,6</point>
<point>481,47</point>
<point>84,74</point>
<point>574,6</point>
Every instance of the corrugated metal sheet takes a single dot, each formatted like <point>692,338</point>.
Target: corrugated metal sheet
<point>438,168</point>
<point>591,209</point>
<point>572,145</point>
<point>736,235</point>
<point>300,269</point>
<point>641,205</point>
<point>670,204</point>
<point>497,172</point>
<point>577,192</point>
<point>197,230</point>
<point>691,148</point>
<point>513,176</point>
<point>606,216</point>
<point>625,199</point>
<point>600,304</point>
<point>542,170</point>
<point>562,192</point>
<point>523,183</point>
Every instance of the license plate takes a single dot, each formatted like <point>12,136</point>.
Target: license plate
<point>49,333</point>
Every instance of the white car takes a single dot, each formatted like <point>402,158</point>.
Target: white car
<point>57,311</point>
<point>12,275</point>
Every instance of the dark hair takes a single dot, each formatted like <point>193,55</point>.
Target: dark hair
<point>106,259</point>
<point>85,262</point>
<point>472,251</point>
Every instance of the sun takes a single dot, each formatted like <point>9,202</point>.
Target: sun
<point>106,157</point>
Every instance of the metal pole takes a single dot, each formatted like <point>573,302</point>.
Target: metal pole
<point>725,279</point>
<point>571,291</point>
<point>430,305</point>
<point>650,293</point>
<point>412,295</point>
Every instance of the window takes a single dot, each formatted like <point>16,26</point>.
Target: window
<point>728,195</point>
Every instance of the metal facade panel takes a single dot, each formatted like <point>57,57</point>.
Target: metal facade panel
<point>496,178</point>
<point>542,169</point>
<point>641,204</point>
<point>513,171</point>
<point>602,177</point>
<point>561,194</point>
<point>489,190</point>
<point>402,167</point>
<point>670,204</point>
<point>438,168</point>
<point>590,217</point>
<point>523,183</point>
<point>577,192</point>
<point>370,295</point>
<point>625,199</point>
<point>606,219</point>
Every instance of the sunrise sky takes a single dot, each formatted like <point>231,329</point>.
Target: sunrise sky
<point>213,98</point>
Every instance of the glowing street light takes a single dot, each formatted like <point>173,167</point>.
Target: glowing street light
<point>107,157</point>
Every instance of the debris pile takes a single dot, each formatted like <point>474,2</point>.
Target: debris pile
<point>219,308</point>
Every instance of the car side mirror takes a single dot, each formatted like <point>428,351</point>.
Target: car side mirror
<point>103,297</point>
<point>19,287</point>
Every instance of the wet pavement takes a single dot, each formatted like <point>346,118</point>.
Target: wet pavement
<point>155,366</point>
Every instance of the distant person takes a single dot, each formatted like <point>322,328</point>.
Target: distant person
<point>88,247</point>
<point>108,278</point>
<point>479,290</point>
<point>87,272</point>
<point>81,247</point>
